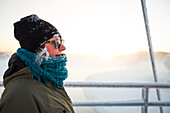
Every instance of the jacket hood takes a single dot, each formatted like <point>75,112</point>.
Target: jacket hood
<point>22,73</point>
<point>14,65</point>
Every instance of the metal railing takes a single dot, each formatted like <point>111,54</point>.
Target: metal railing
<point>152,57</point>
<point>144,103</point>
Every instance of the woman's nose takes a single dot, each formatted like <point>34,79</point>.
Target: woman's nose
<point>62,47</point>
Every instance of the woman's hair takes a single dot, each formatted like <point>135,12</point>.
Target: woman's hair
<point>42,53</point>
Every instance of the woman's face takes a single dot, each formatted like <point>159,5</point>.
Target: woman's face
<point>53,51</point>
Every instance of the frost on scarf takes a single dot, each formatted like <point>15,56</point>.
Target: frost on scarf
<point>42,53</point>
<point>52,70</point>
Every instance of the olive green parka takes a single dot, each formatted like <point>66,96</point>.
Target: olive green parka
<point>23,94</point>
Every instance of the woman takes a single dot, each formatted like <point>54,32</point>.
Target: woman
<point>34,80</point>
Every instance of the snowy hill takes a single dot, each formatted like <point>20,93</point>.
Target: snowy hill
<point>5,54</point>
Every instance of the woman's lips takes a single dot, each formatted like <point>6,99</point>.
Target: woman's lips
<point>58,55</point>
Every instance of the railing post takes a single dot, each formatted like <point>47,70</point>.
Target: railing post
<point>145,95</point>
<point>145,15</point>
<point>142,107</point>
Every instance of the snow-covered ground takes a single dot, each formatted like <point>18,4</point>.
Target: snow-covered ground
<point>136,71</point>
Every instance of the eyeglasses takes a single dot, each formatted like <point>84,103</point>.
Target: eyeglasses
<point>56,43</point>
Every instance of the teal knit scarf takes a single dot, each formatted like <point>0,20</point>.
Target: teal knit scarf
<point>52,70</point>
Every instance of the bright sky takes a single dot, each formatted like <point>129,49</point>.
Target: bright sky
<point>102,27</point>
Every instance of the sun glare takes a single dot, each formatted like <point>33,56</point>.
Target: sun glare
<point>107,54</point>
<point>110,54</point>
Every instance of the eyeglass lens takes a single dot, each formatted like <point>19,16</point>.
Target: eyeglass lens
<point>57,43</point>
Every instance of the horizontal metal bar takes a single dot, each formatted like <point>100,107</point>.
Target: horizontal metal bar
<point>123,85</point>
<point>119,103</point>
<point>112,85</point>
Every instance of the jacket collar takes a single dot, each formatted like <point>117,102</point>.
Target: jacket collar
<point>23,73</point>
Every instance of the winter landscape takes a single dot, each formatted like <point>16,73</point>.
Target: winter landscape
<point>135,67</point>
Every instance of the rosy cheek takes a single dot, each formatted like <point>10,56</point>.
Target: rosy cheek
<point>52,50</point>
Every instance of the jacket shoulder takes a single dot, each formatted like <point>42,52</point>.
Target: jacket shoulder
<point>33,96</point>
<point>19,96</point>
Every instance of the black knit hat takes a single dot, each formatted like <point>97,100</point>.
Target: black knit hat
<point>32,32</point>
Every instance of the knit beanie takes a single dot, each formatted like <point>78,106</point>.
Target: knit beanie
<point>32,32</point>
